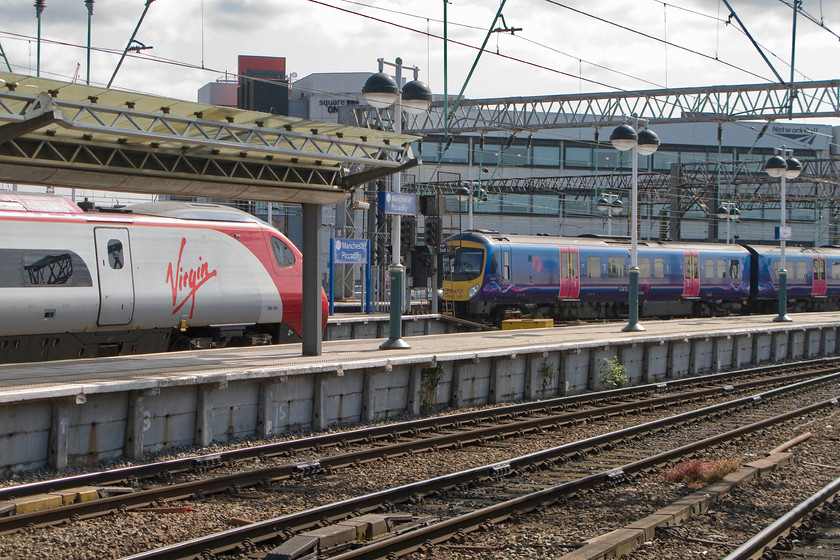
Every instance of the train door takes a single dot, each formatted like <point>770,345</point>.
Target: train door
<point>505,271</point>
<point>116,284</point>
<point>819,285</point>
<point>569,273</point>
<point>691,274</point>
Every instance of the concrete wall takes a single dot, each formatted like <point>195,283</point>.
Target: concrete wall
<point>113,421</point>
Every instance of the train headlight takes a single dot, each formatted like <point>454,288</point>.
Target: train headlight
<point>473,290</point>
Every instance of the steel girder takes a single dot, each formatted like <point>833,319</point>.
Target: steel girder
<point>695,184</point>
<point>766,102</point>
<point>76,136</point>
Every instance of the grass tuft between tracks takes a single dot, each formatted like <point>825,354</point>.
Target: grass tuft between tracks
<point>695,472</point>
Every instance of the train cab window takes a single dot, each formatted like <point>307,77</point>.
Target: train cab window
<point>644,267</point>
<point>494,264</point>
<point>659,267</point>
<point>593,267</point>
<point>115,254</point>
<point>467,264</point>
<point>282,254</point>
<point>709,268</point>
<point>617,267</point>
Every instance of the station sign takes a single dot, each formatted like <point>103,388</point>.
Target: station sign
<point>783,233</point>
<point>350,251</point>
<point>403,204</point>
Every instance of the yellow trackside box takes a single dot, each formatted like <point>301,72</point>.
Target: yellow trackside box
<point>510,324</point>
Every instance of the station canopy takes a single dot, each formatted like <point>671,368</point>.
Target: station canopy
<point>73,135</point>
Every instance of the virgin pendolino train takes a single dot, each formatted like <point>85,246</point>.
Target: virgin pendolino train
<point>490,276</point>
<point>152,277</point>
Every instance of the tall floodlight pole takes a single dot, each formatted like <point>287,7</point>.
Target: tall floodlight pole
<point>89,5</point>
<point>728,211</point>
<point>381,91</point>
<point>787,167</point>
<point>610,204</point>
<point>39,9</point>
<point>646,142</point>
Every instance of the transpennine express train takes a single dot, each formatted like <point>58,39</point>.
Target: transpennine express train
<point>151,277</point>
<point>490,276</point>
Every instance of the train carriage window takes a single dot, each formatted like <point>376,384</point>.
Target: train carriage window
<point>593,267</point>
<point>617,267</point>
<point>115,254</point>
<point>42,268</point>
<point>644,267</point>
<point>659,267</point>
<point>282,254</point>
<point>734,269</point>
<point>709,266</point>
<point>506,264</point>
<point>774,273</point>
<point>835,271</point>
<point>801,271</point>
<point>721,268</point>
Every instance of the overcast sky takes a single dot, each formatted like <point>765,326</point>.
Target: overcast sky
<point>556,46</point>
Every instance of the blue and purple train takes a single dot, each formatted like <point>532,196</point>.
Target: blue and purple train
<point>490,276</point>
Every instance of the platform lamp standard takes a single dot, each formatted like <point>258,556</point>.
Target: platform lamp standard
<point>644,143</point>
<point>611,205</point>
<point>729,212</point>
<point>381,91</point>
<point>786,167</point>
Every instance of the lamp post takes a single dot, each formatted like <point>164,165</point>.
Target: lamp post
<point>610,204</point>
<point>787,167</point>
<point>728,211</point>
<point>381,91</point>
<point>646,142</point>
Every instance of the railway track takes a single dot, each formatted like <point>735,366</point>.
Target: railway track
<point>441,508</point>
<point>809,530</point>
<point>158,483</point>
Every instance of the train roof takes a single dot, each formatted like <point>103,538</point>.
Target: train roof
<point>598,241</point>
<point>192,211</point>
<point>50,204</point>
<point>24,202</point>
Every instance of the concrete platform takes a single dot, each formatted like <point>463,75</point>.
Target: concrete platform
<point>80,412</point>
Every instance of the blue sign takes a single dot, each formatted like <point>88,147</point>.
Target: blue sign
<point>350,251</point>
<point>397,203</point>
<point>783,233</point>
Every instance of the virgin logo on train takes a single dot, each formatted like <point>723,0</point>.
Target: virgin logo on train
<point>185,283</point>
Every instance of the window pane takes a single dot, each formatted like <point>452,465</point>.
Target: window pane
<point>617,267</point>
<point>593,267</point>
<point>115,254</point>
<point>644,267</point>
<point>659,267</point>
<point>709,266</point>
<point>282,254</point>
<point>546,156</point>
<point>457,153</point>
<point>577,156</point>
